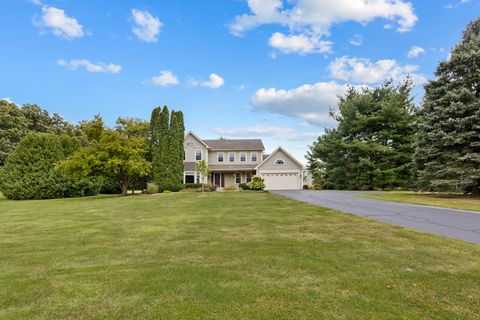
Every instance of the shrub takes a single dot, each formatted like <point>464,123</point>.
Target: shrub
<point>257,183</point>
<point>152,188</point>
<point>192,185</point>
<point>110,186</point>
<point>29,172</point>
<point>244,186</point>
<point>230,188</point>
<point>170,187</point>
<point>305,187</point>
<point>210,188</point>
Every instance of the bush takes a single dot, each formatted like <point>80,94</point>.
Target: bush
<point>305,187</point>
<point>244,186</point>
<point>210,188</point>
<point>152,188</point>
<point>257,183</point>
<point>29,172</point>
<point>170,187</point>
<point>230,188</point>
<point>192,185</point>
<point>110,186</point>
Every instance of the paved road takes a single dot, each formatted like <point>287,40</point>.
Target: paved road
<point>452,223</point>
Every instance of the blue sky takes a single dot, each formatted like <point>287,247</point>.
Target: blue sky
<point>236,68</point>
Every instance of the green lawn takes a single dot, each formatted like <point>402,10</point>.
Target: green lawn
<point>224,256</point>
<point>456,201</point>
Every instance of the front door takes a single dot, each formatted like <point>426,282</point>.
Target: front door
<point>218,180</point>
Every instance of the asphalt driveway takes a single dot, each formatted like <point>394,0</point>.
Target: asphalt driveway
<point>452,223</point>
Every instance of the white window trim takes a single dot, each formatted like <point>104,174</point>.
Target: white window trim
<point>188,173</point>
<point>256,156</point>
<point>201,154</point>
<point>240,155</point>
<point>234,157</point>
<point>223,156</point>
<point>279,164</point>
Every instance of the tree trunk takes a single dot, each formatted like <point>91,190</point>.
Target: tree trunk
<point>124,185</point>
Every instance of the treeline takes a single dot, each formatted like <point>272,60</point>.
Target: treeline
<point>383,141</point>
<point>43,156</point>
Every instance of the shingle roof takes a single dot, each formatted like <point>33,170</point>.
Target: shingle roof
<point>235,144</point>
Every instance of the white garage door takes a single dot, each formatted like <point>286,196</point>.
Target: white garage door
<point>281,180</point>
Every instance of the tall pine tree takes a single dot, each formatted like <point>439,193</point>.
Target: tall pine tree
<point>448,145</point>
<point>372,146</point>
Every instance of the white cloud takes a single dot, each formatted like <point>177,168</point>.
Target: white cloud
<point>262,131</point>
<point>415,51</point>
<point>165,79</point>
<point>456,5</point>
<point>36,2</point>
<point>301,44</point>
<point>215,81</point>
<point>310,102</point>
<point>147,27</point>
<point>99,67</point>
<point>60,24</point>
<point>360,70</point>
<point>356,40</point>
<point>312,19</point>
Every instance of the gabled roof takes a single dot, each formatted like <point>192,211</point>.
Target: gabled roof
<point>274,152</point>
<point>196,137</point>
<point>235,144</point>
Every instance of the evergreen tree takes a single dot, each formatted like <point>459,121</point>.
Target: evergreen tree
<point>13,127</point>
<point>448,145</point>
<point>29,172</point>
<point>180,139</point>
<point>372,146</point>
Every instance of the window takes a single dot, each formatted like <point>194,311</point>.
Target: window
<point>254,157</point>
<point>197,180</point>
<point>189,177</point>
<point>189,143</point>
<point>198,154</point>
<point>231,157</point>
<point>243,156</point>
<point>249,176</point>
<point>238,178</point>
<point>220,157</point>
<point>279,162</point>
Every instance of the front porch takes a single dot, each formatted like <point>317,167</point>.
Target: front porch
<point>222,179</point>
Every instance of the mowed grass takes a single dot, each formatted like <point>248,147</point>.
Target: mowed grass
<point>224,256</point>
<point>455,201</point>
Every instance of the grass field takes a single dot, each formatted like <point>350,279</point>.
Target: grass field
<point>456,201</point>
<point>224,256</point>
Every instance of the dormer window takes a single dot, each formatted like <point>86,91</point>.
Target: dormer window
<point>279,162</point>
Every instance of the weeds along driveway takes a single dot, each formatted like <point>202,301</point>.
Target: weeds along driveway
<point>459,224</point>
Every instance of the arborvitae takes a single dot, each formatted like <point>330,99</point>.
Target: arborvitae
<point>448,145</point>
<point>180,147</point>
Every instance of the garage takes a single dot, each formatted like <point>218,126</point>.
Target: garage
<point>281,180</point>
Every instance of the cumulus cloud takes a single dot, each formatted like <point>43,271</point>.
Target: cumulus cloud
<point>165,78</point>
<point>360,70</point>
<point>147,27</point>
<point>91,67</point>
<point>215,81</point>
<point>278,133</point>
<point>415,51</point>
<point>60,24</point>
<point>301,44</point>
<point>8,99</point>
<point>356,40</point>
<point>310,102</point>
<point>312,19</point>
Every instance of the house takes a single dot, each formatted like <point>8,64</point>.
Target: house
<point>235,161</point>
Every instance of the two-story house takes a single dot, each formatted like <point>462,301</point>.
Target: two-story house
<point>235,161</point>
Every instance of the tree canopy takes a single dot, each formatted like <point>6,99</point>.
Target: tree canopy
<point>372,146</point>
<point>114,155</point>
<point>448,147</point>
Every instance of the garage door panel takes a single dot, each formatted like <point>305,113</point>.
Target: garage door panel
<point>281,180</point>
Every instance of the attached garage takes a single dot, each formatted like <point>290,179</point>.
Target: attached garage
<point>288,180</point>
<point>281,171</point>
